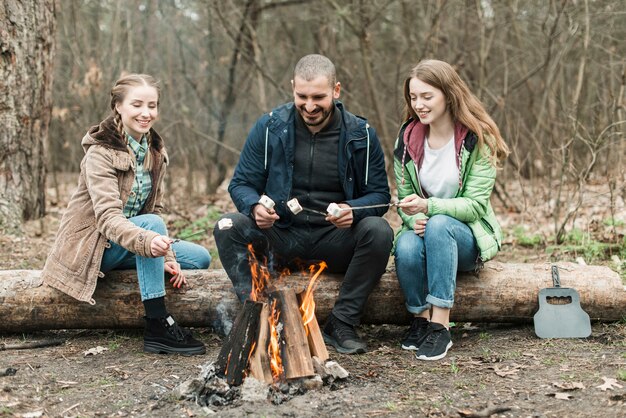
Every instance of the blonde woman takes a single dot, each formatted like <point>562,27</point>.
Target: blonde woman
<point>112,220</point>
<point>445,162</point>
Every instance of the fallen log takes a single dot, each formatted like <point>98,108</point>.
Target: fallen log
<point>501,292</point>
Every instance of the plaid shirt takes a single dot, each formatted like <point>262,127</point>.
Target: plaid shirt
<point>142,183</point>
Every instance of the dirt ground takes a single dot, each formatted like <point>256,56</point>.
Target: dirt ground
<point>498,370</point>
<point>490,368</point>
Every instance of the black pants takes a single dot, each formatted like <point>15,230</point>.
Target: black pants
<point>361,252</point>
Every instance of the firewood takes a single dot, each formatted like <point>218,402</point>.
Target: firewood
<point>314,337</point>
<point>232,361</point>
<point>295,351</point>
<point>501,292</point>
<point>259,362</point>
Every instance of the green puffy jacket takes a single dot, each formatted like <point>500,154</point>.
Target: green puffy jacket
<point>472,202</point>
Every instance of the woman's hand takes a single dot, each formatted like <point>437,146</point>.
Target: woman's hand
<point>264,217</point>
<point>160,245</point>
<point>345,218</point>
<point>178,278</point>
<point>413,204</point>
<point>420,226</point>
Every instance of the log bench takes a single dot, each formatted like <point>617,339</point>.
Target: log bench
<point>501,292</point>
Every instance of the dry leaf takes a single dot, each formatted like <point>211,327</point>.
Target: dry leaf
<point>95,350</point>
<point>510,372</point>
<point>562,395</point>
<point>569,385</point>
<point>610,384</point>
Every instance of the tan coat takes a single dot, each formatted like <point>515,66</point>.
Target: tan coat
<point>95,212</point>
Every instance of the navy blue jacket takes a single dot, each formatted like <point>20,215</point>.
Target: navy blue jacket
<point>266,165</point>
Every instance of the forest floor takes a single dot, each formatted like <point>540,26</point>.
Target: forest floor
<point>500,370</point>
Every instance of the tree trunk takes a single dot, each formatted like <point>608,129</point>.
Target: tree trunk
<point>500,293</point>
<point>26,50</point>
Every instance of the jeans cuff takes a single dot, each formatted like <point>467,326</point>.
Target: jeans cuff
<point>417,309</point>
<point>152,296</point>
<point>440,303</point>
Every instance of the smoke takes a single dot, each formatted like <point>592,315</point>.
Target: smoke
<point>225,312</point>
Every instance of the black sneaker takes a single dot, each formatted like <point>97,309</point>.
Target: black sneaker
<point>416,334</point>
<point>163,335</point>
<point>343,337</point>
<point>437,343</point>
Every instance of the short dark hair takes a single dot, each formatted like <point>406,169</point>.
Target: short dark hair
<point>315,65</point>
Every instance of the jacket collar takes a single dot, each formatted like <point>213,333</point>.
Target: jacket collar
<point>414,133</point>
<point>282,117</point>
<point>106,135</point>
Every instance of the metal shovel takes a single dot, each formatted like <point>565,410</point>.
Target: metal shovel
<point>560,314</point>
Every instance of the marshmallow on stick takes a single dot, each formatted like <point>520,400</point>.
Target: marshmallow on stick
<point>334,209</point>
<point>267,202</point>
<point>294,206</point>
<point>225,223</point>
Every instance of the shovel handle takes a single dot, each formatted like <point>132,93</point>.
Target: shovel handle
<point>556,280</point>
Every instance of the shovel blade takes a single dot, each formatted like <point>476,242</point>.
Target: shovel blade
<point>564,319</point>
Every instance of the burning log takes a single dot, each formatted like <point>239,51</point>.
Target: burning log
<point>501,292</point>
<point>260,362</point>
<point>239,344</point>
<point>314,334</point>
<point>296,355</point>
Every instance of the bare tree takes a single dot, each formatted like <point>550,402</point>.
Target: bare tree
<point>26,55</point>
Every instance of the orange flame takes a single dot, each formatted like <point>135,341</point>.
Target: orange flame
<point>227,364</point>
<point>273,350</point>
<point>307,307</point>
<point>260,275</point>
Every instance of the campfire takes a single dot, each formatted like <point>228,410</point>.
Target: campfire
<point>275,340</point>
<point>276,334</point>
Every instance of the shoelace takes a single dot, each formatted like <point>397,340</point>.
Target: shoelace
<point>343,331</point>
<point>432,338</point>
<point>177,332</point>
<point>414,328</point>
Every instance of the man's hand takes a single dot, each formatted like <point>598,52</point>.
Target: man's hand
<point>178,278</point>
<point>264,217</point>
<point>413,204</point>
<point>160,245</point>
<point>420,226</point>
<point>344,220</point>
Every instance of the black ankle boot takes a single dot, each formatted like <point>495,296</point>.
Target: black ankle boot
<point>163,335</point>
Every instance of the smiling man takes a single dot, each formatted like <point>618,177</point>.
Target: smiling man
<point>313,150</point>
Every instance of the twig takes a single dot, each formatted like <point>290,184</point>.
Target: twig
<point>32,344</point>
<point>485,413</point>
<point>70,408</point>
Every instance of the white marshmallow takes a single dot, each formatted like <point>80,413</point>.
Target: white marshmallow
<point>294,206</point>
<point>225,223</point>
<point>334,210</point>
<point>267,202</point>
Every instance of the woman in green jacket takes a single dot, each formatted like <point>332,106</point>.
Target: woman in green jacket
<point>445,166</point>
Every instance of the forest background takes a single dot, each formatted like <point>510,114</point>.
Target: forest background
<point>551,73</point>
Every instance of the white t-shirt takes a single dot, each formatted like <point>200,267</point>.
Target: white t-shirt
<point>439,176</point>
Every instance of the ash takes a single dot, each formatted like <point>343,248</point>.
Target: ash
<point>210,390</point>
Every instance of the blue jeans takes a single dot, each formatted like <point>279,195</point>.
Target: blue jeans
<point>427,266</point>
<point>151,271</point>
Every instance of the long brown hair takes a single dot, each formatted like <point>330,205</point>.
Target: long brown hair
<point>118,94</point>
<point>464,107</point>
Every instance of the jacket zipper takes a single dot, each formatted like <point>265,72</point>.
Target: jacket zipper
<point>345,176</point>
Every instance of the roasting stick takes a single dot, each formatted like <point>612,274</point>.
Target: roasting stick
<point>332,209</point>
<point>381,205</point>
<point>227,223</point>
